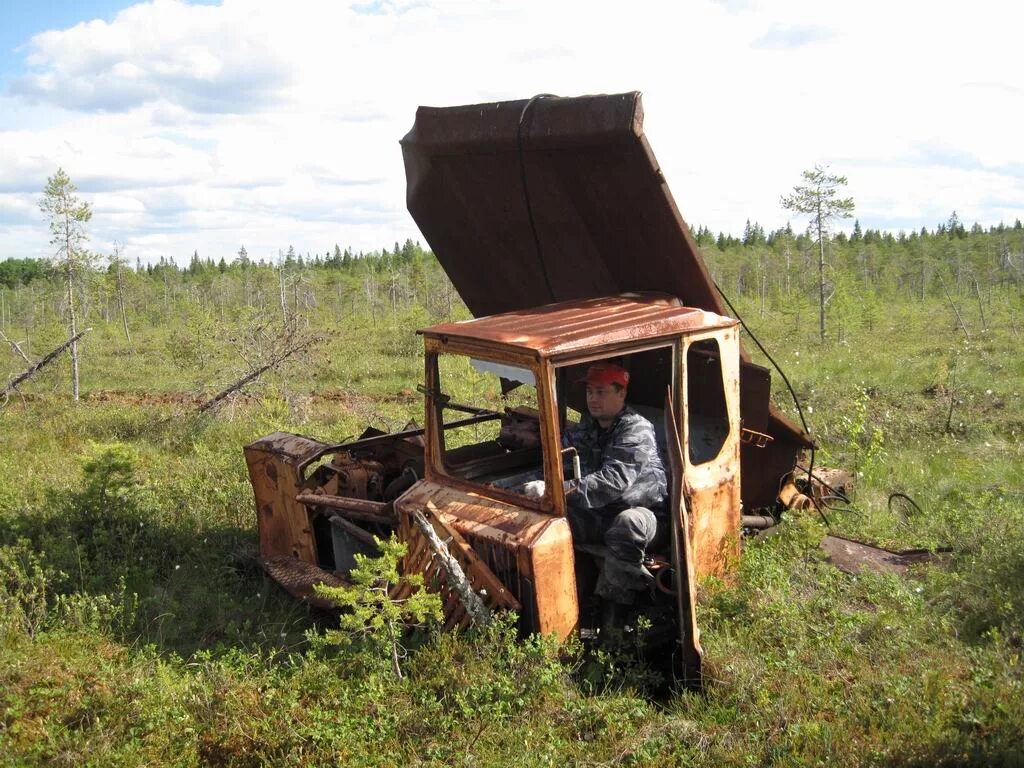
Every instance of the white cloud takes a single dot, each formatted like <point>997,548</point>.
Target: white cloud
<point>200,57</point>
<point>203,127</point>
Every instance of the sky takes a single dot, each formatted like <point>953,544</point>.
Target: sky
<point>205,126</point>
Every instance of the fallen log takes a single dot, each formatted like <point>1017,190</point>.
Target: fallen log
<point>255,374</point>
<point>45,361</point>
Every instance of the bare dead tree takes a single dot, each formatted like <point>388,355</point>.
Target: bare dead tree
<point>981,305</point>
<point>117,261</point>
<point>456,577</point>
<point>956,311</point>
<point>370,289</point>
<point>284,282</point>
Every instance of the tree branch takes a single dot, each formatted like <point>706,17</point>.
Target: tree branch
<point>15,346</point>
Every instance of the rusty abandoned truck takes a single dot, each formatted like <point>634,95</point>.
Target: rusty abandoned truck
<point>555,224</point>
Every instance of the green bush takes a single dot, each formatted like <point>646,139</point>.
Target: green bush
<point>24,589</point>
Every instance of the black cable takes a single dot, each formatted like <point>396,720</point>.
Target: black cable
<point>792,392</point>
<point>526,189</point>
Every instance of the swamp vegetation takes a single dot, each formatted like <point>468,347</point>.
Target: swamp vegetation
<point>137,629</point>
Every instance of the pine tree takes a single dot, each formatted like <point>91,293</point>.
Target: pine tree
<point>68,216</point>
<point>818,199</point>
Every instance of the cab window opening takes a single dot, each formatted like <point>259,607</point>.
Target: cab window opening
<point>490,421</point>
<point>707,413</point>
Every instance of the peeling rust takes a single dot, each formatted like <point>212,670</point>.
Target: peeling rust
<point>567,327</point>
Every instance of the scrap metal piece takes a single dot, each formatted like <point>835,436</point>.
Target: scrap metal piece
<point>357,509</point>
<point>853,557</point>
<point>758,522</point>
<point>828,482</point>
<point>791,497</point>
<point>755,438</point>
<point>275,465</point>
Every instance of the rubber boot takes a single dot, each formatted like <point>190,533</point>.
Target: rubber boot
<point>613,624</point>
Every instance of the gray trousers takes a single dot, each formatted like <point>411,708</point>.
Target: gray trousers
<point>627,535</point>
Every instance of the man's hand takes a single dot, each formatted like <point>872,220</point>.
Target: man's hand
<point>534,489</point>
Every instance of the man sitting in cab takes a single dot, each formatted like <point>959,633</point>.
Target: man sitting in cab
<point>619,500</point>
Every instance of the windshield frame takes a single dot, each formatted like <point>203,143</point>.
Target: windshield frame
<point>435,468</point>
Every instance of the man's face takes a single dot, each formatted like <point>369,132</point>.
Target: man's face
<point>604,401</point>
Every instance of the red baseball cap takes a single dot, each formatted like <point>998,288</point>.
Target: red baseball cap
<point>606,373</point>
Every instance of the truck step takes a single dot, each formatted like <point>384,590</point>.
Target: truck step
<point>299,578</point>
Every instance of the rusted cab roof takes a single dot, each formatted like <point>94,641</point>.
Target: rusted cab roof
<point>571,326</point>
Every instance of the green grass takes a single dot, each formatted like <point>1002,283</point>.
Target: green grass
<point>137,629</point>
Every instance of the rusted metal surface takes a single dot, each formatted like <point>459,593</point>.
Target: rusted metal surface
<point>598,200</point>
<point>355,509</point>
<point>421,558</point>
<point>300,578</point>
<point>528,553</point>
<point>758,522</point>
<point>284,525</point>
<point>354,531</point>
<point>713,481</point>
<point>829,483</point>
<point>564,200</point>
<point>791,498</point>
<point>755,438</point>
<point>566,327</point>
<point>855,556</point>
<point>288,447</point>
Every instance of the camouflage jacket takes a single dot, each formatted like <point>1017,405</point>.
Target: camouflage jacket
<point>620,466</point>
